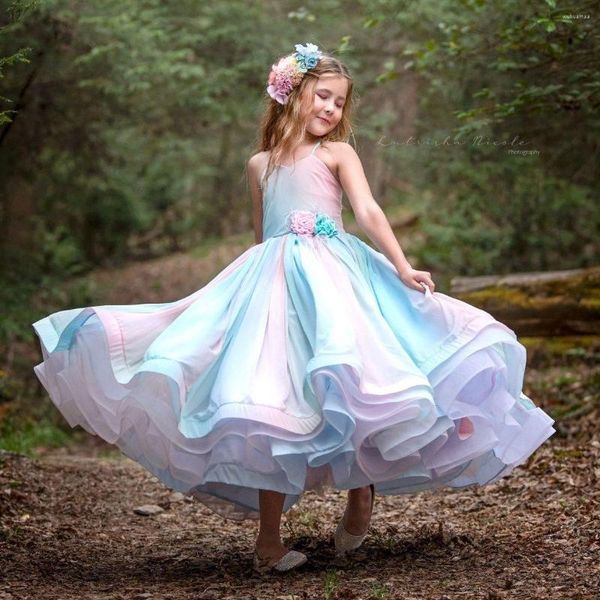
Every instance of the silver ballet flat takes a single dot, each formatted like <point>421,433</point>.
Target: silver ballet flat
<point>344,541</point>
<point>288,561</point>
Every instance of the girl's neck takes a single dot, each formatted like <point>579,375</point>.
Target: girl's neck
<point>310,140</point>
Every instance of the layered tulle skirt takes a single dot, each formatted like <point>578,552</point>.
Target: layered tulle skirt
<point>304,364</point>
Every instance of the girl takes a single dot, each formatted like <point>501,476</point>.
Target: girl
<point>311,361</point>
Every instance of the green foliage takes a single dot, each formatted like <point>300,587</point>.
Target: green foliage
<point>502,217</point>
<point>138,140</point>
<point>15,298</point>
<point>7,61</point>
<point>51,293</point>
<point>125,128</point>
<point>142,137</point>
<point>498,82</point>
<point>136,121</point>
<point>379,590</point>
<point>331,584</point>
<point>58,250</point>
<point>16,11</point>
<point>25,438</point>
<point>7,387</point>
<point>519,48</point>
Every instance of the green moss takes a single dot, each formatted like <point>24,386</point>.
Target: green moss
<point>593,303</point>
<point>568,344</point>
<point>583,289</point>
<point>568,453</point>
<point>499,296</point>
<point>585,285</point>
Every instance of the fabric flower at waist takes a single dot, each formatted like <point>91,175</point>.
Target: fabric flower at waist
<point>306,222</point>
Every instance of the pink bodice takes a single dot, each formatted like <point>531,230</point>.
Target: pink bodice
<point>307,185</point>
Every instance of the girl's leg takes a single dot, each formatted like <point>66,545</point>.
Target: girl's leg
<point>358,510</point>
<point>268,542</point>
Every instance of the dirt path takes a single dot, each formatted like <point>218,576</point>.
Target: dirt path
<point>68,530</point>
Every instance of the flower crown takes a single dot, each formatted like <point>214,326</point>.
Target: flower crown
<point>290,70</point>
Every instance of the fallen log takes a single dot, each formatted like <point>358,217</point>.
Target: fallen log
<point>538,303</point>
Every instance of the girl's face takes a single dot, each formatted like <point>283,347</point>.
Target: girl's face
<point>330,97</point>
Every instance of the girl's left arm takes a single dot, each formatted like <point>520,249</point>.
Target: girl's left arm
<point>371,218</point>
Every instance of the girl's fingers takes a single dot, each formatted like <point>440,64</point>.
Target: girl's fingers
<point>428,284</point>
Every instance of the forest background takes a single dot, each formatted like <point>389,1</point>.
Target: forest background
<point>125,128</point>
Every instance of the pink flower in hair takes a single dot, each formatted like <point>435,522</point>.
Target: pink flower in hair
<point>290,70</point>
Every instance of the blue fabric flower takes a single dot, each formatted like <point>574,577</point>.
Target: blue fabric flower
<point>307,56</point>
<point>325,225</point>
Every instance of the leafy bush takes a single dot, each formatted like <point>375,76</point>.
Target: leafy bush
<point>504,217</point>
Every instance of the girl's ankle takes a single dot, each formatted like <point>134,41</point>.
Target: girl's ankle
<point>266,552</point>
<point>270,542</point>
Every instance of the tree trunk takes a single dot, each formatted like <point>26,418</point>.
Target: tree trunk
<point>539,303</point>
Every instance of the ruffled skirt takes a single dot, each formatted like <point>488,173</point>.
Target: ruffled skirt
<point>304,364</point>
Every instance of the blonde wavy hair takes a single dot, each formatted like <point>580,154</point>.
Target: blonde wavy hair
<point>283,126</point>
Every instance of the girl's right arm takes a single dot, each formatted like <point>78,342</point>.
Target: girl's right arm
<point>254,167</point>
<point>371,218</point>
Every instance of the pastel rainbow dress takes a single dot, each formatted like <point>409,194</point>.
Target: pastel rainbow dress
<point>305,364</point>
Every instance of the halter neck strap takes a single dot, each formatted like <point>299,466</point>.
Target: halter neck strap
<point>315,147</point>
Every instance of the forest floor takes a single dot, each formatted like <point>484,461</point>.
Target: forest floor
<point>68,530</point>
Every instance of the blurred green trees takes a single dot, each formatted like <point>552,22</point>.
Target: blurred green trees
<point>125,127</point>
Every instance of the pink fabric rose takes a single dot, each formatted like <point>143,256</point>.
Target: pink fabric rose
<point>302,222</point>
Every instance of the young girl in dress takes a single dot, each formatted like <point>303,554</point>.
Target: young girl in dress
<point>311,361</point>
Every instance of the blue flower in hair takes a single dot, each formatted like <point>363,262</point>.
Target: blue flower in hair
<point>307,56</point>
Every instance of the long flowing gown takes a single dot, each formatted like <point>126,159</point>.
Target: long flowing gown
<point>306,363</point>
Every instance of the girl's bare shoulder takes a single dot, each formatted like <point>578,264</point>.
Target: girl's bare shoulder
<point>258,160</point>
<point>257,163</point>
<point>333,155</point>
